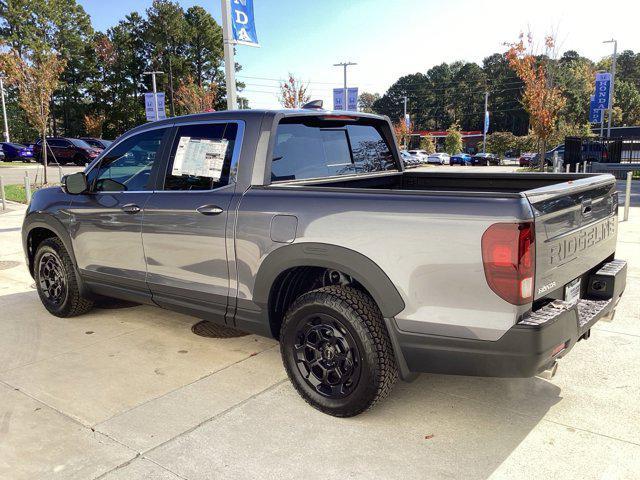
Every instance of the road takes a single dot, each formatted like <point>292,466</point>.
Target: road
<point>14,175</point>
<point>129,392</point>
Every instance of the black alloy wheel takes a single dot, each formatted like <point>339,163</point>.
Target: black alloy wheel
<point>52,278</point>
<point>327,355</point>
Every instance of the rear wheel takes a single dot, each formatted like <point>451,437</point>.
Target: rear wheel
<point>56,280</point>
<point>337,352</point>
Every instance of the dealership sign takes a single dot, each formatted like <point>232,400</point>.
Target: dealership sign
<point>243,23</point>
<point>595,115</point>
<point>603,89</point>
<point>150,106</point>
<point>351,97</point>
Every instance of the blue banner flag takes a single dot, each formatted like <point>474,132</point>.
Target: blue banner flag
<point>352,99</point>
<point>486,121</point>
<point>603,87</point>
<point>595,115</point>
<point>243,23</point>
<point>338,98</point>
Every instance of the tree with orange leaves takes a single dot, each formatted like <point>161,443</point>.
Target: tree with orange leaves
<point>193,98</point>
<point>541,98</point>
<point>293,93</point>
<point>402,131</point>
<point>36,73</point>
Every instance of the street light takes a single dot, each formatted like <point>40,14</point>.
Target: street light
<point>613,82</point>
<point>344,65</point>
<point>4,110</point>
<point>155,92</point>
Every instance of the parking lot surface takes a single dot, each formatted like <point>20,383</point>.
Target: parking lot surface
<point>129,392</point>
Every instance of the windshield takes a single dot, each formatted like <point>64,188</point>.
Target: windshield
<point>314,147</point>
<point>79,143</point>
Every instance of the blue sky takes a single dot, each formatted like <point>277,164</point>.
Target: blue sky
<point>396,37</point>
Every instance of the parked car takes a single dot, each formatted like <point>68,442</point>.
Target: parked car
<point>97,142</point>
<point>526,159</point>
<point>590,151</point>
<point>485,159</point>
<point>410,161</point>
<point>460,159</point>
<point>66,150</point>
<point>281,223</point>
<point>420,155</point>
<point>2,156</point>
<point>16,152</point>
<point>439,159</point>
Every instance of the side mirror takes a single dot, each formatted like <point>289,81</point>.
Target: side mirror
<point>75,183</point>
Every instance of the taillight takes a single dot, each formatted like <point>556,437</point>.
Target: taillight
<point>508,256</point>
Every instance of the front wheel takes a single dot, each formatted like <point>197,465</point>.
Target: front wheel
<point>337,352</point>
<point>56,280</point>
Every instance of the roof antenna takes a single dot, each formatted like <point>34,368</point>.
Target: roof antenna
<point>313,105</point>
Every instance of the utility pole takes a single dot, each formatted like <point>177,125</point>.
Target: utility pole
<point>484,122</point>
<point>4,110</point>
<point>229,61</point>
<point>613,82</point>
<point>344,65</point>
<point>155,89</point>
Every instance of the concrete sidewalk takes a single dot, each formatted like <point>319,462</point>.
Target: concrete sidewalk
<point>128,392</point>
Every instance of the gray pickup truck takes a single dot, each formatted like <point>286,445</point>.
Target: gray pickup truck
<point>302,225</point>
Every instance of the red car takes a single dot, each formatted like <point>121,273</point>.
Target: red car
<point>66,150</point>
<point>525,159</point>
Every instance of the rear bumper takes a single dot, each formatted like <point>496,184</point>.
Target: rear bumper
<point>528,347</point>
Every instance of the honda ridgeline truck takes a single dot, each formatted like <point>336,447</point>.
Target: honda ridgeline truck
<point>303,225</point>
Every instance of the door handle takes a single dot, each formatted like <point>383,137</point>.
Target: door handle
<point>131,208</point>
<point>209,210</point>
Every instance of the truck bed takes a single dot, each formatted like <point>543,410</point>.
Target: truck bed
<point>574,214</point>
<point>454,182</point>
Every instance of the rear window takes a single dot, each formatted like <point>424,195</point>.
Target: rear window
<point>314,148</point>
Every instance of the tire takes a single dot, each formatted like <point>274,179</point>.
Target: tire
<point>57,281</point>
<point>78,161</point>
<point>337,352</point>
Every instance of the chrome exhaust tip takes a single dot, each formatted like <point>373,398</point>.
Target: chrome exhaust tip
<point>550,372</point>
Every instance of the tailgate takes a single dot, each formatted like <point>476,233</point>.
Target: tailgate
<point>576,229</point>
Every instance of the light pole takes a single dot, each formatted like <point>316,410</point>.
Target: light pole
<point>229,62</point>
<point>4,110</point>
<point>155,90</point>
<point>344,65</point>
<point>484,122</point>
<point>613,82</point>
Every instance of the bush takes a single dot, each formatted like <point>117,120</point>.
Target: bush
<point>453,141</point>
<point>428,144</point>
<point>501,142</point>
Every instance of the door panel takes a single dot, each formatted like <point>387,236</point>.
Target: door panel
<point>185,221</point>
<point>107,239</point>
<point>186,250</point>
<point>106,223</point>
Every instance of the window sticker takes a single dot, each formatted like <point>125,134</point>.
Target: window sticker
<point>199,157</point>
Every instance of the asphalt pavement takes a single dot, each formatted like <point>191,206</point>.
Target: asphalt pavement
<point>12,175</point>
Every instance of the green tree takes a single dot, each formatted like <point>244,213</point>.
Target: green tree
<point>428,144</point>
<point>366,101</point>
<point>501,142</point>
<point>204,47</point>
<point>453,140</point>
<point>627,102</point>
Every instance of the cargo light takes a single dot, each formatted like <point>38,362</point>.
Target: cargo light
<point>508,256</point>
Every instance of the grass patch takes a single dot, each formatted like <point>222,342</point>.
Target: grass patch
<point>17,193</point>
<point>15,164</point>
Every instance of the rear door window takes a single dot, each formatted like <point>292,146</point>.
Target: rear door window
<point>315,148</point>
<point>200,156</point>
